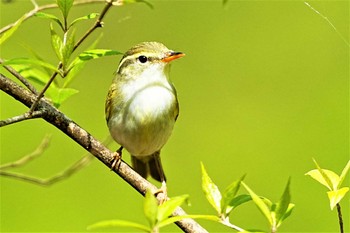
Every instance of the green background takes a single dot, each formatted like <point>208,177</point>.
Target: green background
<point>263,88</point>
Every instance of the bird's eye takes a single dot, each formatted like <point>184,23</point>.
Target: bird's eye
<point>142,59</point>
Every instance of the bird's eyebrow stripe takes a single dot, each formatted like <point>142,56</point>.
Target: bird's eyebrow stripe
<point>128,59</point>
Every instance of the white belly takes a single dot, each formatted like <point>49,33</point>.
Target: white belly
<point>145,122</point>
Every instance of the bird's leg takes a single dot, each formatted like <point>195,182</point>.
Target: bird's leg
<point>163,189</point>
<point>117,156</point>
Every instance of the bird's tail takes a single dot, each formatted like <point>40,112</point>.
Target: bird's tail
<point>149,165</point>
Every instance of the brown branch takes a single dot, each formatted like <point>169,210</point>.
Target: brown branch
<point>25,159</point>
<point>89,143</point>
<point>23,117</point>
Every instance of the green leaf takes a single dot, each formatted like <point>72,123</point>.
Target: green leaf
<point>211,191</point>
<point>59,95</point>
<point>343,174</point>
<point>168,207</point>
<point>333,183</point>
<point>336,196</point>
<point>326,177</point>
<point>73,70</point>
<point>139,1</point>
<point>89,16</point>
<point>262,206</point>
<point>33,74</point>
<point>287,213</point>
<point>239,200</point>
<point>65,6</point>
<point>31,61</point>
<point>38,57</point>
<point>56,43</point>
<point>282,205</point>
<point>118,223</point>
<point>7,34</point>
<point>228,195</point>
<point>93,54</point>
<point>49,16</point>
<point>67,49</point>
<point>150,208</point>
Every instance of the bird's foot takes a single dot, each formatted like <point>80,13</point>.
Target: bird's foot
<point>163,190</point>
<point>117,156</point>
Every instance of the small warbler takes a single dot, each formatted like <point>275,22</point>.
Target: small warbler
<point>142,107</point>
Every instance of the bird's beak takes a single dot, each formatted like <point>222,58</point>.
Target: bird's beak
<point>172,56</point>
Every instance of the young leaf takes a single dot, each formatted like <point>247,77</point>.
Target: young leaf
<point>168,207</point>
<point>67,49</point>
<point>150,208</point>
<point>228,195</point>
<point>211,191</point>
<point>336,196</point>
<point>343,174</point>
<point>265,210</point>
<point>30,61</point>
<point>287,213</point>
<point>326,177</point>
<point>239,200</point>
<point>33,74</point>
<point>9,32</point>
<point>56,43</point>
<point>89,16</point>
<point>65,6</point>
<point>92,54</point>
<point>118,223</point>
<point>73,70</point>
<point>283,204</point>
<point>49,16</point>
<point>59,95</point>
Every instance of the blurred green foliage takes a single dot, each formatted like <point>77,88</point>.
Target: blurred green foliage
<point>263,88</point>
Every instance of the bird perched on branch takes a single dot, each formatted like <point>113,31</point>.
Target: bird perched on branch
<point>142,107</point>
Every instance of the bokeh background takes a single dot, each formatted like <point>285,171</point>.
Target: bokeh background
<point>264,87</point>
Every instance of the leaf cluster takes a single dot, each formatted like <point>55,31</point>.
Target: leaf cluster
<point>332,181</point>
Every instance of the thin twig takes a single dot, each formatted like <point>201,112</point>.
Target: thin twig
<point>97,24</point>
<point>54,179</point>
<point>95,147</point>
<point>27,158</point>
<point>20,78</point>
<point>42,92</point>
<point>329,22</point>
<point>340,217</point>
<point>42,8</point>
<point>23,117</point>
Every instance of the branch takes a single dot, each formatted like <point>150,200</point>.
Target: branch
<point>89,143</point>
<point>25,116</point>
<point>54,179</point>
<point>38,151</point>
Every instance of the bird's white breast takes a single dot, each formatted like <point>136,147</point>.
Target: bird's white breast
<point>145,122</point>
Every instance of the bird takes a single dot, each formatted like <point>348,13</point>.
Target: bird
<point>142,107</point>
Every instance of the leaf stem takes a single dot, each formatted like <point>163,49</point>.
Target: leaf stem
<point>340,217</point>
